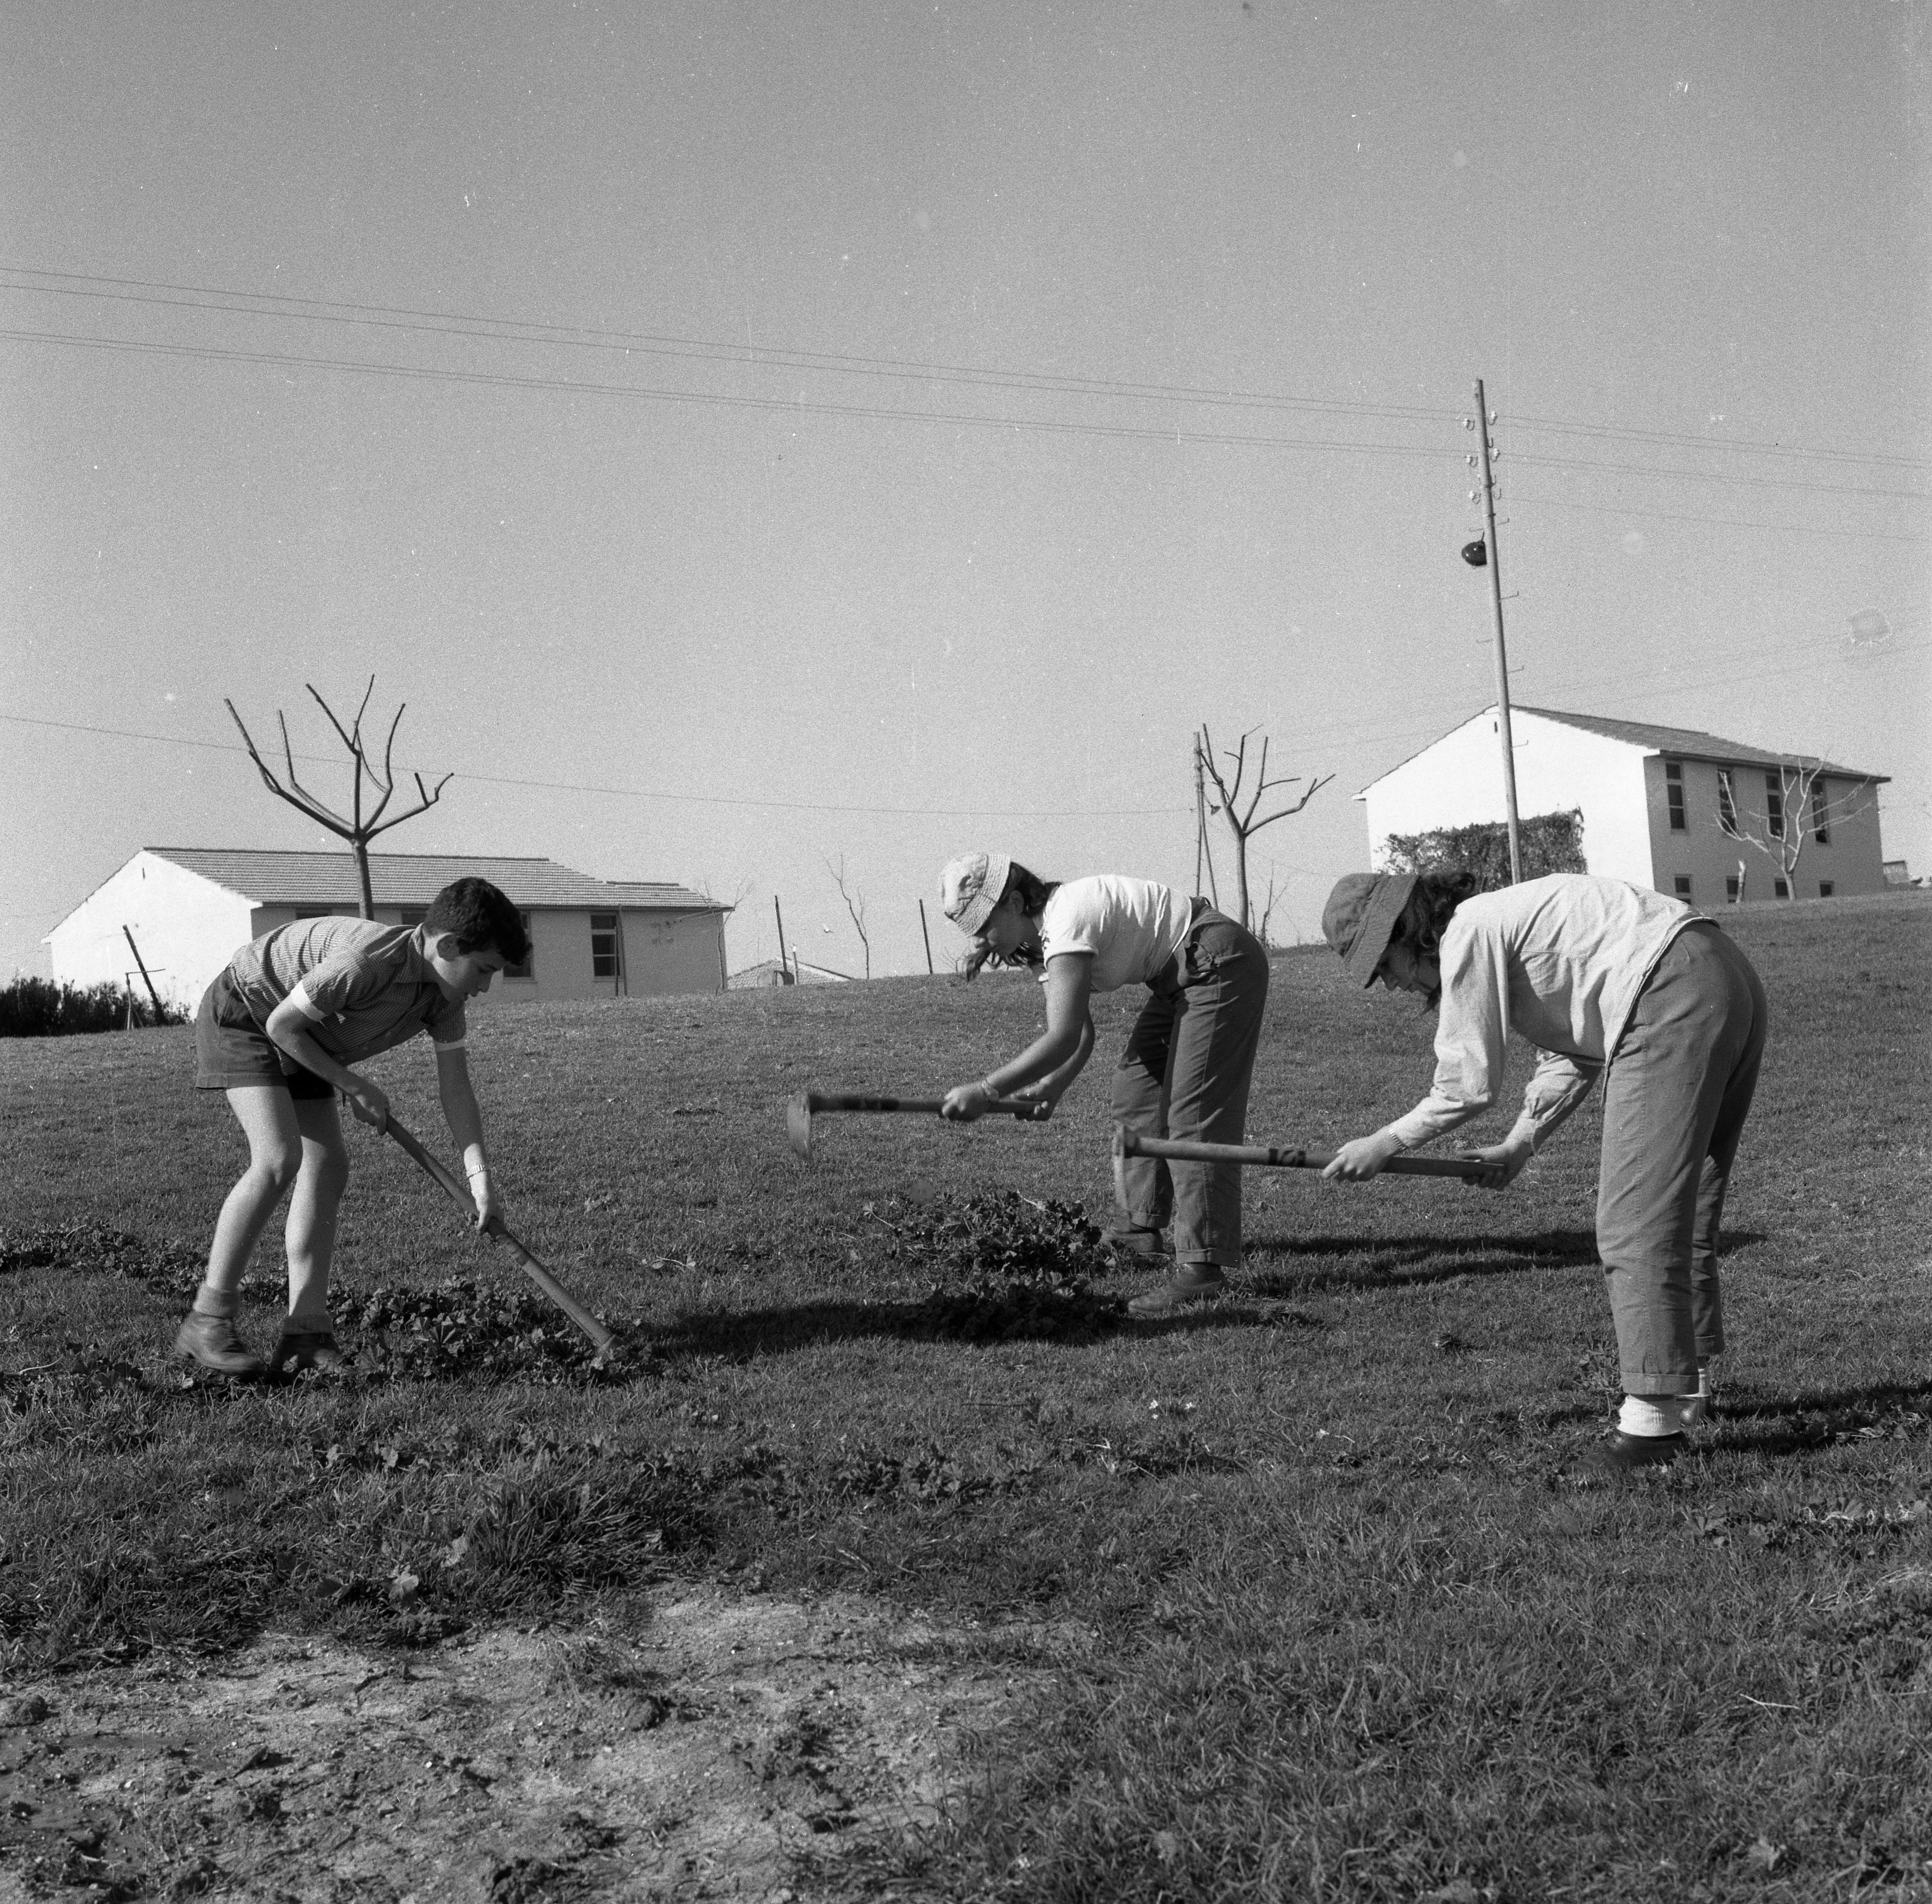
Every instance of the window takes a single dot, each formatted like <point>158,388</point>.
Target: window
<point>1673,792</point>
<point>1774,805</point>
<point>1821,823</point>
<point>1683,885</point>
<point>1727,805</point>
<point>605,962</point>
<point>1782,888</point>
<point>528,969</point>
<point>1731,887</point>
<point>412,915</point>
<point>1825,888</point>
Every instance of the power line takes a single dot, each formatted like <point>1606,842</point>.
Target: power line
<point>227,298</point>
<point>647,793</point>
<point>785,406</point>
<point>492,329</point>
<point>1718,522</point>
<point>1704,476</point>
<point>1743,446</point>
<point>520,330</point>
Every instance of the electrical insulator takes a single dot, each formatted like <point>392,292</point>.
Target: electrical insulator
<point>1468,423</point>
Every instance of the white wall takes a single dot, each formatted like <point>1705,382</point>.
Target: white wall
<point>1458,782</point>
<point>188,928</point>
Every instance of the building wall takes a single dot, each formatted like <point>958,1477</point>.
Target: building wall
<point>666,953</point>
<point>661,954</point>
<point>187,930</point>
<point>1459,782</point>
<point>1851,862</point>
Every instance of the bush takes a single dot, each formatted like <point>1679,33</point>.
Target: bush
<point>1551,843</point>
<point>38,1007</point>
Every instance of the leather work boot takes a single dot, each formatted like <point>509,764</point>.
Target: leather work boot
<point>1623,1454</point>
<point>297,1349</point>
<point>1196,1283</point>
<point>211,1341</point>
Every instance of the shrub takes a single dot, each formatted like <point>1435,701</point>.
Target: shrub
<point>1551,842</point>
<point>39,1008</point>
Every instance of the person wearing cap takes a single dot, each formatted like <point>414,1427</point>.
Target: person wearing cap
<point>1189,1060</point>
<point>1607,979</point>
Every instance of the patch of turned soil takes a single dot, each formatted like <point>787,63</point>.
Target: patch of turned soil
<point>741,1746</point>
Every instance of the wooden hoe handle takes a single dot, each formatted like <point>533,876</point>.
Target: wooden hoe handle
<point>500,1232</point>
<point>1134,1144</point>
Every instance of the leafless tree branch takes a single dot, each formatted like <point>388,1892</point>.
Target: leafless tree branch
<point>855,904</point>
<point>357,830</point>
<point>1241,821</point>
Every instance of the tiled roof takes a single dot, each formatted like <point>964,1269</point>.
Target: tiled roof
<point>414,879</point>
<point>1690,742</point>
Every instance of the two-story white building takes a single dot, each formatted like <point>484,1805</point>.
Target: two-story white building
<point>1711,820</point>
<point>188,909</point>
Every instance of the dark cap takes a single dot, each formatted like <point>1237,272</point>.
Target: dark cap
<point>1359,919</point>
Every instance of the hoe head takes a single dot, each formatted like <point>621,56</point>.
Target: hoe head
<point>798,1123</point>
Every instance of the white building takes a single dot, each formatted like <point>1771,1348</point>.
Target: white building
<point>189,909</point>
<point>769,973</point>
<point>1684,812</point>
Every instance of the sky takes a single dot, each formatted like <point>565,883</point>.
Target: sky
<point>754,440</point>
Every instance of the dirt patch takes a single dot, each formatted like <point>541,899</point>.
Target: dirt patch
<point>740,1745</point>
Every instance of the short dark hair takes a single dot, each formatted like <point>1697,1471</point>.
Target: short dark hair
<point>1424,920</point>
<point>1033,893</point>
<point>480,917</point>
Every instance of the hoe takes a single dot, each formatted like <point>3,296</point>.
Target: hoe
<point>802,1108</point>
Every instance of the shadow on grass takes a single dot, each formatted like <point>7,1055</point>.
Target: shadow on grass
<point>1358,1261</point>
<point>1788,1424</point>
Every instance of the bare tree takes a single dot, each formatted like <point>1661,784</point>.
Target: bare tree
<point>1267,909</point>
<point>855,904</point>
<point>1798,807</point>
<point>360,828</point>
<point>1241,821</point>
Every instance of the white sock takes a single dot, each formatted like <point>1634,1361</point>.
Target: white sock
<point>1650,1415</point>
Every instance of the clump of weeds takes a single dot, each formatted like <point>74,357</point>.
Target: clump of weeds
<point>1004,1268</point>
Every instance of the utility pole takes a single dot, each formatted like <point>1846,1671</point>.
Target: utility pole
<point>927,937</point>
<point>778,913</point>
<point>1496,568</point>
<point>1202,850</point>
<point>160,1015</point>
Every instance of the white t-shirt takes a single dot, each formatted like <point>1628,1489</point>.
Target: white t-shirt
<point>1133,927</point>
<point>1559,960</point>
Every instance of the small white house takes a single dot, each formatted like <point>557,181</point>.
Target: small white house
<point>1710,820</point>
<point>188,909</point>
<point>770,972</point>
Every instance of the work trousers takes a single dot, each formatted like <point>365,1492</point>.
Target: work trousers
<point>1185,1074</point>
<point>1675,1103</point>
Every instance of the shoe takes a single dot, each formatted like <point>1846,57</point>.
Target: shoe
<point>1697,1410</point>
<point>297,1349</point>
<point>1197,1282</point>
<point>1135,1240</point>
<point>211,1341</point>
<point>1622,1453</point>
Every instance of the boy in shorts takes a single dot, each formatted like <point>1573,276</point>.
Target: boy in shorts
<point>277,1031</point>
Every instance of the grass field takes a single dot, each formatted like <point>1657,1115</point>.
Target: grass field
<point>1336,1616</point>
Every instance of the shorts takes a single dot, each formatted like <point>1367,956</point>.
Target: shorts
<point>231,1050</point>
